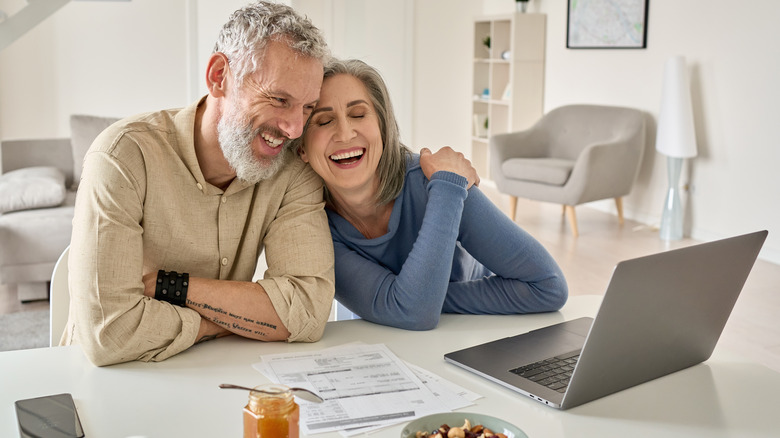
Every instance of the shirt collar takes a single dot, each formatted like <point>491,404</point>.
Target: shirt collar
<point>184,122</point>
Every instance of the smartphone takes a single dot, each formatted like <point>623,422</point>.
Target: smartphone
<point>51,416</point>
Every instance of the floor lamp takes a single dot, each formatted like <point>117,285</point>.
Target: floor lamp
<point>676,138</point>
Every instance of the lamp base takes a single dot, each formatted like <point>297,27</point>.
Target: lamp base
<point>672,217</point>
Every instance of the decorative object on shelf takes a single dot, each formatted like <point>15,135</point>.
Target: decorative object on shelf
<point>486,43</point>
<point>485,93</point>
<point>522,5</point>
<point>506,54</point>
<point>480,125</point>
<point>507,94</point>
<point>605,24</point>
<point>675,138</point>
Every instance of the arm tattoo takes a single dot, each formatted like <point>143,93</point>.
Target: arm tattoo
<point>235,327</point>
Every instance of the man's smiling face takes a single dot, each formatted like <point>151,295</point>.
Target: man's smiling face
<point>269,108</point>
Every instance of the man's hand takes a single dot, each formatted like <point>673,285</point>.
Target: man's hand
<point>448,160</point>
<point>150,284</point>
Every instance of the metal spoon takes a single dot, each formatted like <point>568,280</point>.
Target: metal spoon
<point>300,392</point>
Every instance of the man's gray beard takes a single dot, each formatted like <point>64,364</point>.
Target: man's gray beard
<point>236,144</point>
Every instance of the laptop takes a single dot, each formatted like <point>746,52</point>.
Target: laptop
<point>660,314</point>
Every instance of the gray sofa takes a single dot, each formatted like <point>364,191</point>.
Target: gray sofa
<point>38,184</point>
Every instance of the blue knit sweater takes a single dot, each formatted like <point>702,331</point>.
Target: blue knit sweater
<point>447,250</point>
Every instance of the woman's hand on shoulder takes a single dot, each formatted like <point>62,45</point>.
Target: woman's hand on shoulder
<point>448,160</point>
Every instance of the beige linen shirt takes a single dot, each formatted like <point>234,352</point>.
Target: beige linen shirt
<point>143,205</point>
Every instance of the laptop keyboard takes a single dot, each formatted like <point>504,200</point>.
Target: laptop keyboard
<point>553,373</point>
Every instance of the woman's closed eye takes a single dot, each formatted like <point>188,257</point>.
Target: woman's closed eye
<point>322,121</point>
<point>326,118</point>
<point>357,112</point>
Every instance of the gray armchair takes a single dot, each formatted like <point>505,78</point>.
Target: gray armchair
<point>574,154</point>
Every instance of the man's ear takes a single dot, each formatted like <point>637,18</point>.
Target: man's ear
<point>217,74</point>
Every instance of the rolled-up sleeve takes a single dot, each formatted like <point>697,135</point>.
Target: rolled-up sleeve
<point>299,252</point>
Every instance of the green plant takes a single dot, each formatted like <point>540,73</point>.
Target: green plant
<point>486,41</point>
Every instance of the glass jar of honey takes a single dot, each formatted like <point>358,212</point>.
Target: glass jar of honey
<point>271,414</point>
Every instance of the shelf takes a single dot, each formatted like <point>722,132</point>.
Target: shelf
<point>492,101</point>
<point>514,87</point>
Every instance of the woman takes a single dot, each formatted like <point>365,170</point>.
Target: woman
<point>413,236</point>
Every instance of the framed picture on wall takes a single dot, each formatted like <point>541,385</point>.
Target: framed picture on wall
<point>607,24</point>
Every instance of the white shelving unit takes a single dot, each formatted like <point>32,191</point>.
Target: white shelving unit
<point>508,79</point>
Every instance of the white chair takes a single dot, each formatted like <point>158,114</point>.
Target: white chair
<point>59,299</point>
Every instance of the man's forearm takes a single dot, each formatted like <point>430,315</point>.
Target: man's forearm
<point>240,307</point>
<point>208,331</point>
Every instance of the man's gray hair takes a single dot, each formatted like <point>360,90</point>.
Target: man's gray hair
<point>244,37</point>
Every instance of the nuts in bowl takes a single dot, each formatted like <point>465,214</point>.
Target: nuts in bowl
<point>465,431</point>
<point>461,425</point>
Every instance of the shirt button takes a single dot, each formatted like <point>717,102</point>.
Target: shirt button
<point>224,199</point>
<point>200,187</point>
<point>224,261</point>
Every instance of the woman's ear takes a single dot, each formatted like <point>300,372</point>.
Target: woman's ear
<point>217,74</point>
<point>302,154</point>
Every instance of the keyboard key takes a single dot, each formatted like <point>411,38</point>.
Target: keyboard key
<point>553,373</point>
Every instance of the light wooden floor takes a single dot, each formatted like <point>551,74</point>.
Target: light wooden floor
<point>753,329</point>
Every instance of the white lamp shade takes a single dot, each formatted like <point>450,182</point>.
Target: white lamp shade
<point>676,136</point>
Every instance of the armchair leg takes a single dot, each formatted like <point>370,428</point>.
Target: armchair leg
<point>512,207</point>
<point>619,205</point>
<point>572,216</point>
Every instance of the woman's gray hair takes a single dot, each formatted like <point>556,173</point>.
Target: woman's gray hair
<point>244,37</point>
<point>392,164</point>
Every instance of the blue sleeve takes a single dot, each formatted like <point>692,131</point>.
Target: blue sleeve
<point>527,279</point>
<point>413,298</point>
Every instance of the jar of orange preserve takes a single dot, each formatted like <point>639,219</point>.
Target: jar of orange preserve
<point>271,415</point>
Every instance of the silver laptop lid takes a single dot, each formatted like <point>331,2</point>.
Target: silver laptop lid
<point>660,314</point>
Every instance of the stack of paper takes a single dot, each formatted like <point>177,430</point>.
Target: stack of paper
<point>365,387</point>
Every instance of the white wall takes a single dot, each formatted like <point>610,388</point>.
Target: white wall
<point>379,32</point>
<point>106,58</point>
<point>442,73</point>
<point>119,58</point>
<point>732,52</point>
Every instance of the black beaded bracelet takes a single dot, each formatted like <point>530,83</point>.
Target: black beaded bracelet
<point>172,287</point>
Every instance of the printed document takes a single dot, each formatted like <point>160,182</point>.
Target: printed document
<point>362,385</point>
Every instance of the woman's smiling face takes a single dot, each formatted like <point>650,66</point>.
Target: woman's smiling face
<point>342,142</point>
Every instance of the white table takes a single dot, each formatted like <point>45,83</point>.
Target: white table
<point>723,397</point>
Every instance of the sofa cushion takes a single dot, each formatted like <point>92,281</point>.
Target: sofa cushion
<point>31,187</point>
<point>553,171</point>
<point>83,131</point>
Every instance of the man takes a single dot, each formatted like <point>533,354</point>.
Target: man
<point>174,208</point>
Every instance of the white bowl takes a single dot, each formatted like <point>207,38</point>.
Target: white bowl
<point>432,422</point>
